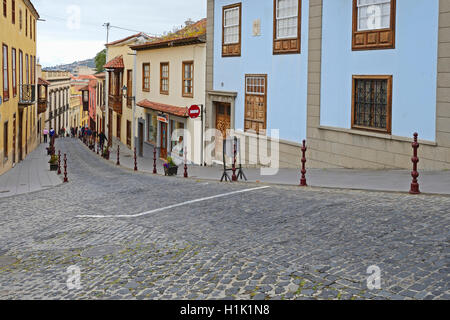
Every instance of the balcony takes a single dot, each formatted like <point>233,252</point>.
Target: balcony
<point>27,94</point>
<point>42,105</point>
<point>115,103</point>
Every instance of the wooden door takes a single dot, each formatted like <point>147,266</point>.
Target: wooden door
<point>223,123</point>
<point>129,133</point>
<point>110,126</point>
<point>20,135</point>
<point>141,139</point>
<point>118,125</point>
<point>163,153</point>
<point>255,103</point>
<point>14,139</point>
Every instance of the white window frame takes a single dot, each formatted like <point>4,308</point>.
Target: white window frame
<point>278,18</point>
<point>376,3</point>
<point>260,85</point>
<point>226,27</point>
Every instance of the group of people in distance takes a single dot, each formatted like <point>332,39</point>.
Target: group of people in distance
<point>84,133</point>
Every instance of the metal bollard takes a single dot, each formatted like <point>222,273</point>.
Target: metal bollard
<point>65,169</point>
<point>118,155</point>
<point>154,160</point>
<point>303,178</point>
<point>135,160</point>
<point>59,161</point>
<point>415,174</point>
<point>185,165</point>
<point>234,177</point>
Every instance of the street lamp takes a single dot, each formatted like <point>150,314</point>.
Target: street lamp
<point>125,94</point>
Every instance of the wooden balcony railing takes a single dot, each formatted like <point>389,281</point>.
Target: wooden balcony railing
<point>115,103</point>
<point>42,105</point>
<point>27,94</point>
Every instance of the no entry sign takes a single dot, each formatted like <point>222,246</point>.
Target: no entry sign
<point>194,112</point>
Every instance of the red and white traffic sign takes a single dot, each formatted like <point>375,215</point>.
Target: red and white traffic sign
<point>194,112</point>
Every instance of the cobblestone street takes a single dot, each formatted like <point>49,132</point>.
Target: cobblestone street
<point>272,243</point>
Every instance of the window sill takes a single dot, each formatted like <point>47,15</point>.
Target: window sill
<point>372,134</point>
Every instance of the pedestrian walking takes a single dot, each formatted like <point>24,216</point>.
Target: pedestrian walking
<point>102,138</point>
<point>45,135</point>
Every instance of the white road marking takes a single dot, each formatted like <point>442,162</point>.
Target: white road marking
<point>175,205</point>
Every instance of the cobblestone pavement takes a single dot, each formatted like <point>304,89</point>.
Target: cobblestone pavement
<point>274,243</point>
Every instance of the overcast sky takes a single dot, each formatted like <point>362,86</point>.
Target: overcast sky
<point>73,30</point>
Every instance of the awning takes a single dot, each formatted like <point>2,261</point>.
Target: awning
<point>173,110</point>
<point>116,63</point>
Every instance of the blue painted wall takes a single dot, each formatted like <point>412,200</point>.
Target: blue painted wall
<point>286,74</point>
<point>413,64</point>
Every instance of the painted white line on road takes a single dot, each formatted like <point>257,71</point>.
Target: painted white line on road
<point>175,205</point>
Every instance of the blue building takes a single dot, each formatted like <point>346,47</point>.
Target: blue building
<point>356,78</point>
<point>257,73</point>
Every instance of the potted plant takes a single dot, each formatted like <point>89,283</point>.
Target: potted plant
<point>170,168</point>
<point>105,153</point>
<point>54,163</point>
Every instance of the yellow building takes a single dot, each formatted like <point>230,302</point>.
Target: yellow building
<point>18,108</point>
<point>79,117</point>
<point>119,67</point>
<point>100,103</point>
<point>170,75</point>
<point>75,108</point>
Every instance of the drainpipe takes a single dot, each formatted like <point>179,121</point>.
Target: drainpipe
<point>134,102</point>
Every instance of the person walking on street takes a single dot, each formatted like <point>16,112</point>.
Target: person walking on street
<point>45,135</point>
<point>102,138</point>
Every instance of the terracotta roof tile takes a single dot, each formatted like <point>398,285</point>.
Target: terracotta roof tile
<point>191,34</point>
<point>174,110</point>
<point>43,82</point>
<point>116,63</point>
<point>140,34</point>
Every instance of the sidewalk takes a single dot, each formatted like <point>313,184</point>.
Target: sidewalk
<point>32,174</point>
<point>432,182</point>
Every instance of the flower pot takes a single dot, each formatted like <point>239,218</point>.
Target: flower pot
<point>171,171</point>
<point>53,167</point>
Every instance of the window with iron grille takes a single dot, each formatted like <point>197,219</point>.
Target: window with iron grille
<point>372,103</point>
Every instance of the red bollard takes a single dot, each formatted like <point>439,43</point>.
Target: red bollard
<point>234,177</point>
<point>135,160</point>
<point>303,179</point>
<point>65,169</point>
<point>154,160</point>
<point>415,173</point>
<point>59,161</point>
<point>118,155</point>
<point>185,165</point>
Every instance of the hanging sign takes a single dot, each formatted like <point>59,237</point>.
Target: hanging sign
<point>162,119</point>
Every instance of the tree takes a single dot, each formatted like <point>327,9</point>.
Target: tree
<point>100,60</point>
